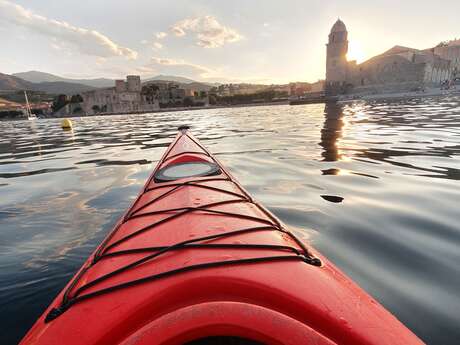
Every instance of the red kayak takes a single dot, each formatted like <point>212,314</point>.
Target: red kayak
<point>196,260</point>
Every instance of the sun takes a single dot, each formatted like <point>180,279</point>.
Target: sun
<point>356,52</point>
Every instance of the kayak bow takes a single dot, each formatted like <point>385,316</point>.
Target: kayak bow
<point>196,260</point>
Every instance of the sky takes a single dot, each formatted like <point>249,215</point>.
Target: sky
<point>254,41</point>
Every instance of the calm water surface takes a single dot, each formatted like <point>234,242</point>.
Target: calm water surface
<point>374,186</point>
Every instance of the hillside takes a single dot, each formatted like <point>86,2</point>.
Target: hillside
<point>58,87</point>
<point>53,84</point>
<point>197,86</point>
<point>11,83</point>
<point>173,78</point>
<point>42,77</point>
<point>38,77</point>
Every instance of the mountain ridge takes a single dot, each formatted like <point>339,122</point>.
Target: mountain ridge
<point>10,83</point>
<point>177,79</point>
<point>40,77</point>
<point>43,77</point>
<point>54,84</point>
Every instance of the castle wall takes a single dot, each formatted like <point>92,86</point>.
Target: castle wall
<point>452,53</point>
<point>390,70</point>
<point>125,97</point>
<point>401,72</point>
<point>387,74</point>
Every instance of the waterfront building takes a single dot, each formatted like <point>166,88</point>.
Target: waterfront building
<point>398,69</point>
<point>318,86</point>
<point>451,51</point>
<point>190,92</point>
<point>225,90</point>
<point>7,105</point>
<point>337,65</point>
<point>299,89</point>
<point>171,94</point>
<point>283,88</point>
<point>124,97</point>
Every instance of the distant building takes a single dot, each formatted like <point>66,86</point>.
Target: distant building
<point>171,94</point>
<point>36,107</point>
<point>318,86</point>
<point>124,97</point>
<point>450,51</point>
<point>299,88</point>
<point>189,93</point>
<point>6,105</point>
<point>283,88</point>
<point>225,90</point>
<point>398,69</point>
<point>337,66</point>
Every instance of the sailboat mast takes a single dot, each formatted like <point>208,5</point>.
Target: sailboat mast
<point>28,111</point>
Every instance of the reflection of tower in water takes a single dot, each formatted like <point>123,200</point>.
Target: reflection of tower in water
<point>331,132</point>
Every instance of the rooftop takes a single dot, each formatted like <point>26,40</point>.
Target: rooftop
<point>339,26</point>
<point>6,105</point>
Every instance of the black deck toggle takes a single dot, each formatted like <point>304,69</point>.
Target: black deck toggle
<point>183,128</point>
<point>54,313</point>
<point>313,261</point>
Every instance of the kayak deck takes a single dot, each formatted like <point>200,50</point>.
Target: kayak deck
<point>197,257</point>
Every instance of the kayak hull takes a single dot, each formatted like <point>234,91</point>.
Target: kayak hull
<point>237,271</point>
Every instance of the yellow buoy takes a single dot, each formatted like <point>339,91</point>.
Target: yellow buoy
<point>66,124</point>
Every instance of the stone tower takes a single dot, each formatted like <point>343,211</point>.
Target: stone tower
<point>336,59</point>
<point>133,83</point>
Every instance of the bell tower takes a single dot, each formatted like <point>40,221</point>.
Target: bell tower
<point>336,59</point>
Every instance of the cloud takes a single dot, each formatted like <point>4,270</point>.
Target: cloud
<point>101,61</point>
<point>86,41</point>
<point>157,45</point>
<point>180,63</point>
<point>176,67</point>
<point>161,35</point>
<point>177,30</point>
<point>179,67</point>
<point>209,32</point>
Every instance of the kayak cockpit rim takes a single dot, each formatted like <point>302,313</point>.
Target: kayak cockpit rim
<point>173,172</point>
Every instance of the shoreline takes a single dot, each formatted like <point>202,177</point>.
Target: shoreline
<point>399,96</point>
<point>342,100</point>
<point>163,110</point>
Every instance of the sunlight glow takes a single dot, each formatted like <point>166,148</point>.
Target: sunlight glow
<point>356,52</point>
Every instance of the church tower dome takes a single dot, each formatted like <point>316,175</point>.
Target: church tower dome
<point>339,26</point>
<point>336,59</point>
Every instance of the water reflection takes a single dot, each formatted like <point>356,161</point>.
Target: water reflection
<point>428,128</point>
<point>331,132</point>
